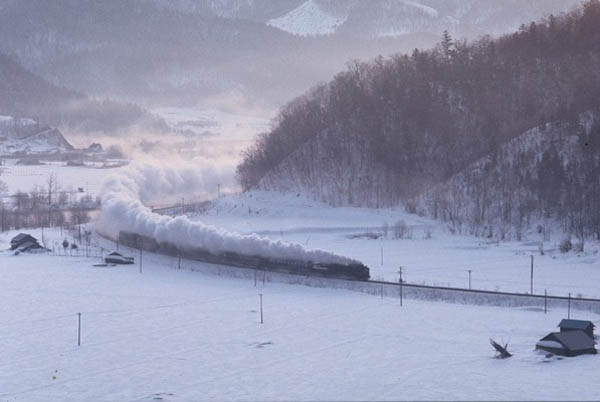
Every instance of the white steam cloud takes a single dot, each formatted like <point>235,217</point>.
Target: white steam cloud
<point>123,209</point>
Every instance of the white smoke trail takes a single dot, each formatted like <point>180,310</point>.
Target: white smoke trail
<point>123,210</point>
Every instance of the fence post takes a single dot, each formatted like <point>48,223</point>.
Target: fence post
<point>569,308</point>
<point>545,301</point>
<point>531,273</point>
<point>78,329</point>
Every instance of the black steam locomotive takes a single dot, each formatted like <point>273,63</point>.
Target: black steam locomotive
<point>354,271</point>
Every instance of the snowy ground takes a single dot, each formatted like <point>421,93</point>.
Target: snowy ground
<point>24,178</point>
<point>442,260</point>
<point>176,335</point>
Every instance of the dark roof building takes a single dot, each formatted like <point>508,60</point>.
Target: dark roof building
<point>569,343</point>
<point>577,325</point>
<point>20,239</point>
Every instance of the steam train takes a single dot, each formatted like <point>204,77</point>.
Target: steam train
<point>353,271</point>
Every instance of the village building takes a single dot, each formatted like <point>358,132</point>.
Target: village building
<point>568,343</point>
<point>25,243</point>
<point>577,325</point>
<point>20,239</point>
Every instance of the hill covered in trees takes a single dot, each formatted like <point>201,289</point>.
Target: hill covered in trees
<point>24,94</point>
<point>393,129</point>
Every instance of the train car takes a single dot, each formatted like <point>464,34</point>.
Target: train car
<point>355,271</point>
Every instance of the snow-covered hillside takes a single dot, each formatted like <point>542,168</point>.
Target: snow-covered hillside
<point>384,18</point>
<point>307,20</point>
<point>545,167</point>
<point>26,136</point>
<point>174,335</point>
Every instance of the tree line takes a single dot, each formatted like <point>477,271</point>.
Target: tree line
<point>44,206</point>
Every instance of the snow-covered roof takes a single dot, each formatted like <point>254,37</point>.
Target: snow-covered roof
<point>549,344</point>
<point>572,340</point>
<point>21,237</point>
<point>575,324</point>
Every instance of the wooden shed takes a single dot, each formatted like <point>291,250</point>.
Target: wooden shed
<point>21,239</point>
<point>569,343</point>
<point>577,325</point>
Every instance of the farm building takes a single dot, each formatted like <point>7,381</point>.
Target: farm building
<point>569,343</point>
<point>25,243</point>
<point>577,325</point>
<point>20,239</point>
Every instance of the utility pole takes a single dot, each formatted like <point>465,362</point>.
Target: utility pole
<point>140,260</point>
<point>469,278</point>
<point>179,261</point>
<point>182,206</point>
<point>261,308</point>
<point>400,281</point>
<point>382,256</point>
<point>531,273</point>
<point>219,190</point>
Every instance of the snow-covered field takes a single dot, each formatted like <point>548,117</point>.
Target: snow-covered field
<point>24,178</point>
<point>443,260</point>
<point>176,335</point>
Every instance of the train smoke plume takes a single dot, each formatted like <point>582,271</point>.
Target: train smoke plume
<point>123,209</point>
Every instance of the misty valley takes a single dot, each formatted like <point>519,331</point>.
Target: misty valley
<point>299,200</point>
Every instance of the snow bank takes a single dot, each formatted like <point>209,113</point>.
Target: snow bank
<point>123,209</point>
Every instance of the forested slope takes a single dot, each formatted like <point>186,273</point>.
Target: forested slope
<point>24,94</point>
<point>392,129</point>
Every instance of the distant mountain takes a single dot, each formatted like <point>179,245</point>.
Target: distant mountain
<point>181,51</point>
<point>23,93</point>
<point>253,10</point>
<point>133,49</point>
<point>390,130</point>
<point>383,18</point>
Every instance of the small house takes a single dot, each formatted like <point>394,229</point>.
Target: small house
<point>577,325</point>
<point>20,239</point>
<point>568,343</point>
<point>117,258</point>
